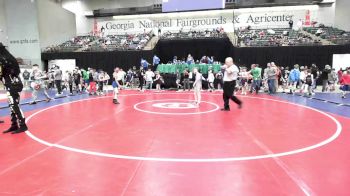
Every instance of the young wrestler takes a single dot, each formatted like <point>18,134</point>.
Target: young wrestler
<point>211,79</point>
<point>106,78</point>
<point>197,86</point>
<point>178,80</point>
<point>116,87</point>
<point>38,84</point>
<point>158,81</point>
<point>244,75</point>
<point>308,83</point>
<point>100,83</point>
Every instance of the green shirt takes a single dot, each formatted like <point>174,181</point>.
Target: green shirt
<point>85,75</point>
<point>256,73</point>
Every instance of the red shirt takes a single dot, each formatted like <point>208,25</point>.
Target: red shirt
<point>345,80</point>
<point>340,73</point>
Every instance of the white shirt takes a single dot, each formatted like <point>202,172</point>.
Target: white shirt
<point>37,74</point>
<point>120,75</point>
<point>149,76</point>
<point>190,75</point>
<point>115,75</point>
<point>231,73</point>
<point>198,82</point>
<point>302,75</point>
<point>106,77</point>
<point>211,77</point>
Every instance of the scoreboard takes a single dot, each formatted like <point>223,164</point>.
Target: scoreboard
<point>188,5</point>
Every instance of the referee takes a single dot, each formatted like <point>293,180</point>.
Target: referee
<point>230,77</point>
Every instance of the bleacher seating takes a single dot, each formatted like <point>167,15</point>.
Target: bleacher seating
<point>194,34</point>
<point>335,35</point>
<point>245,37</point>
<point>274,37</point>
<point>105,43</point>
<point>72,45</point>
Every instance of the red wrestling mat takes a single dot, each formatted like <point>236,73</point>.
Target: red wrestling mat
<point>161,144</point>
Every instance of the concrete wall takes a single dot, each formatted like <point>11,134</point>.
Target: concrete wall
<point>31,25</point>
<point>22,29</point>
<point>326,14</point>
<point>83,24</point>
<point>79,8</point>
<point>3,29</point>
<point>342,14</point>
<point>56,24</point>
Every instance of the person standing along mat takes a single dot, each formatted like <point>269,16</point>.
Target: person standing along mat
<point>26,77</point>
<point>156,61</point>
<point>256,73</point>
<point>149,75</point>
<point>58,80</point>
<point>9,75</point>
<point>38,84</point>
<point>230,77</point>
<point>116,87</point>
<point>210,80</point>
<point>186,80</point>
<point>197,86</point>
<point>141,76</point>
<point>345,83</point>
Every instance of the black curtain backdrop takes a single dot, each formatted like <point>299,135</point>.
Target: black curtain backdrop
<point>102,60</point>
<point>220,48</point>
<point>288,55</point>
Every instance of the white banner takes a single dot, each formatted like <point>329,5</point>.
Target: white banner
<point>228,19</point>
<point>272,18</point>
<point>169,22</point>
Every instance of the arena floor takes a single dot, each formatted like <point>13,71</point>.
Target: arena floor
<point>160,144</point>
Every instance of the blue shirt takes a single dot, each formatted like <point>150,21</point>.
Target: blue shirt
<point>156,60</point>
<point>210,60</point>
<point>144,63</point>
<point>190,61</point>
<point>294,75</point>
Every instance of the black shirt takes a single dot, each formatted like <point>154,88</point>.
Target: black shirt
<point>141,73</point>
<point>76,76</point>
<point>26,75</point>
<point>314,71</point>
<point>186,75</point>
<point>324,74</point>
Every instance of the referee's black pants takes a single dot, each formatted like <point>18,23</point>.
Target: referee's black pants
<point>229,87</point>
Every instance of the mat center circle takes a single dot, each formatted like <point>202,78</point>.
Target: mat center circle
<point>175,107</point>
